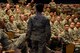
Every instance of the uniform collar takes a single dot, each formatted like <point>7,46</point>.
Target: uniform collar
<point>38,13</point>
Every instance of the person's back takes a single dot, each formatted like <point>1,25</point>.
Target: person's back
<point>39,30</point>
<point>38,27</point>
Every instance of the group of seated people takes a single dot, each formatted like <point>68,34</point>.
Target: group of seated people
<point>64,20</point>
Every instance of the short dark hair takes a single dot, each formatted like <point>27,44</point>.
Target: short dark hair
<point>39,7</point>
<point>53,10</point>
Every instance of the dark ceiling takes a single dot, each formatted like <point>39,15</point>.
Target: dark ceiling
<point>47,1</point>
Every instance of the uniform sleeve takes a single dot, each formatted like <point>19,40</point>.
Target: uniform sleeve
<point>5,40</point>
<point>29,26</point>
<point>8,27</point>
<point>48,29</point>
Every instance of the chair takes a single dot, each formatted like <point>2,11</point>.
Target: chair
<point>70,48</point>
<point>10,34</point>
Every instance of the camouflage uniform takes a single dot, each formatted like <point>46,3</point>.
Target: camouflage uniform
<point>22,1</point>
<point>10,11</point>
<point>4,39</point>
<point>26,11</point>
<point>63,15</point>
<point>10,1</point>
<point>2,13</point>
<point>52,4</point>
<point>7,45</point>
<point>17,16</point>
<point>47,15</point>
<point>66,36</point>
<point>58,26</point>
<point>72,33</point>
<point>76,20</point>
<point>77,31</point>
<point>22,25</point>
<point>6,18</point>
<point>39,32</point>
<point>11,26</point>
<point>65,22</point>
<point>52,29</point>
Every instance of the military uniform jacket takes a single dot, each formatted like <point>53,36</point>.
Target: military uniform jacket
<point>11,26</point>
<point>4,39</point>
<point>39,28</point>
